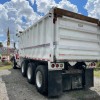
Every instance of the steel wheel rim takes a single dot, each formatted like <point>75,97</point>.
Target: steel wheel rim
<point>39,79</point>
<point>29,73</point>
<point>22,68</point>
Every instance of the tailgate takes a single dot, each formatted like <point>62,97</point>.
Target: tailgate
<point>77,40</point>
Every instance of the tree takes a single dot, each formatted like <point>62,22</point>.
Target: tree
<point>1,45</point>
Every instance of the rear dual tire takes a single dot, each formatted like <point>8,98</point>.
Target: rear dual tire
<point>24,68</point>
<point>36,75</point>
<point>31,73</point>
<point>41,79</point>
<point>14,65</point>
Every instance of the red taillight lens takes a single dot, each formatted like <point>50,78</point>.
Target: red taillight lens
<point>57,65</point>
<point>17,56</point>
<point>53,65</point>
<point>91,64</point>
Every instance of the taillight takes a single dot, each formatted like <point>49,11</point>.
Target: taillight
<point>61,65</point>
<point>91,64</point>
<point>17,56</point>
<point>94,64</point>
<point>57,65</point>
<point>53,65</point>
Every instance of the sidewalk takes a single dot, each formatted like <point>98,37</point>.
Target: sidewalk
<point>3,91</point>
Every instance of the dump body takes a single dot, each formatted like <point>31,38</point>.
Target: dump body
<point>62,35</point>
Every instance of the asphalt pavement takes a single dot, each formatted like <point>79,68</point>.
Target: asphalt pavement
<point>16,87</point>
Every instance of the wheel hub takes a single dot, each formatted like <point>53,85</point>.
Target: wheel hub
<point>39,79</point>
<point>29,73</point>
<point>22,68</point>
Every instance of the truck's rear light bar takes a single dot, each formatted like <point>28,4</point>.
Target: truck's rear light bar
<point>91,64</point>
<point>57,65</point>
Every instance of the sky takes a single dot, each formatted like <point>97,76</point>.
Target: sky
<point>20,14</point>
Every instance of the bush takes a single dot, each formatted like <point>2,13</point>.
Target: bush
<point>6,63</point>
<point>98,65</point>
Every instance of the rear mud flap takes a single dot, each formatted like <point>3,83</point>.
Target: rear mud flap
<point>54,83</point>
<point>89,78</point>
<point>77,81</point>
<point>71,81</point>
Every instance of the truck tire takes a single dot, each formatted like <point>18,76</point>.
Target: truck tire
<point>31,73</point>
<point>13,62</point>
<point>24,68</point>
<point>41,79</point>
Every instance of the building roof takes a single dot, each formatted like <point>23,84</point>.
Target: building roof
<point>5,50</point>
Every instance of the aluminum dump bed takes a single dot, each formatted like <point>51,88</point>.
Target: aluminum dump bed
<point>62,35</point>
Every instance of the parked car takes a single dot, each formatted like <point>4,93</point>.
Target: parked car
<point>4,59</point>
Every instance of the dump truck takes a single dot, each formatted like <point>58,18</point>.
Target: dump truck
<point>59,52</point>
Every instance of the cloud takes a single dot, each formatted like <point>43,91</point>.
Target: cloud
<point>65,4</point>
<point>18,14</point>
<point>12,14</point>
<point>43,6</point>
<point>93,8</point>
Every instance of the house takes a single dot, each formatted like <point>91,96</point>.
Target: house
<point>6,52</point>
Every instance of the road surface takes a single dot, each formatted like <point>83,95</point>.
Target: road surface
<point>13,86</point>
